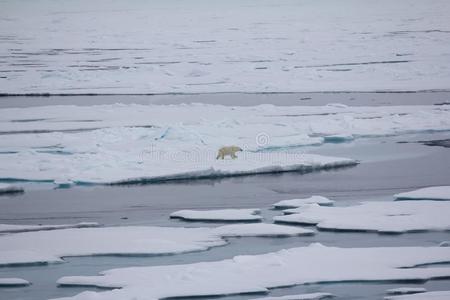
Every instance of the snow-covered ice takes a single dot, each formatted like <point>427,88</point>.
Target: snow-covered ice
<point>51,246</point>
<point>311,296</point>
<point>247,214</point>
<point>394,217</point>
<point>293,203</point>
<point>13,228</point>
<point>13,282</point>
<point>437,295</point>
<point>258,273</point>
<point>9,189</point>
<point>223,46</point>
<point>135,143</point>
<point>406,290</point>
<point>428,193</point>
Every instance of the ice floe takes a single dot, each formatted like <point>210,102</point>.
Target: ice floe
<point>406,290</point>
<point>261,229</point>
<point>13,228</point>
<point>389,217</point>
<point>51,246</point>
<point>258,273</point>
<point>337,49</point>
<point>98,144</point>
<point>437,295</point>
<point>428,193</point>
<point>311,296</point>
<point>293,203</point>
<point>10,189</point>
<point>13,282</point>
<point>226,215</point>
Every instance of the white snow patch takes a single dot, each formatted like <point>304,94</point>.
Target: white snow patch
<point>12,228</point>
<point>406,290</point>
<point>12,282</point>
<point>258,273</point>
<point>250,214</point>
<point>394,217</point>
<point>311,296</point>
<point>428,193</point>
<point>437,295</point>
<point>9,189</point>
<point>293,203</point>
<point>50,246</point>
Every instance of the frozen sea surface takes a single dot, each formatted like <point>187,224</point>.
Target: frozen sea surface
<point>382,216</point>
<point>390,165</point>
<point>132,143</point>
<point>73,47</point>
<point>428,193</point>
<point>257,273</point>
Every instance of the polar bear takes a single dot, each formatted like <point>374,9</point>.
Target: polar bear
<point>228,150</point>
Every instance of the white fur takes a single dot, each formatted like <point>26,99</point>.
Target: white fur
<point>228,150</point>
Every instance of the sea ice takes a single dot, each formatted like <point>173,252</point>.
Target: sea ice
<point>338,138</point>
<point>393,217</point>
<point>444,244</point>
<point>218,215</point>
<point>406,290</point>
<point>311,296</point>
<point>9,189</point>
<point>293,203</point>
<point>258,273</point>
<point>13,282</point>
<point>12,228</point>
<point>428,193</point>
<point>51,246</point>
<point>437,295</point>
<point>210,46</point>
<point>168,142</point>
<point>261,229</point>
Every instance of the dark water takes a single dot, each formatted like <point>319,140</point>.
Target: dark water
<point>388,166</point>
<point>244,99</point>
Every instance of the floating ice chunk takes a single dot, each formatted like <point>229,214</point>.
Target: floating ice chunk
<point>337,105</point>
<point>311,296</point>
<point>437,295</point>
<point>258,273</point>
<point>227,215</point>
<point>444,244</point>
<point>338,138</point>
<point>50,246</point>
<point>394,217</point>
<point>261,229</point>
<point>63,183</point>
<point>428,193</point>
<point>293,203</point>
<point>406,290</point>
<point>10,189</point>
<point>170,142</point>
<point>13,282</point>
<point>12,228</point>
